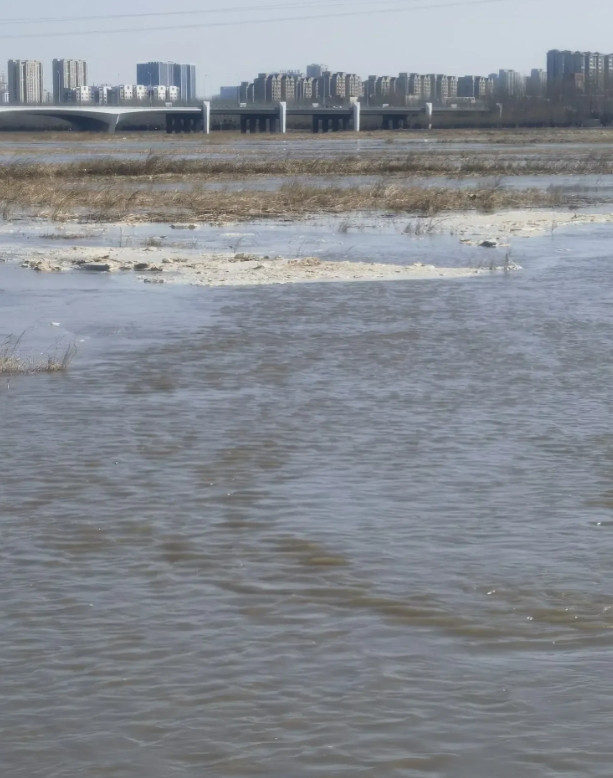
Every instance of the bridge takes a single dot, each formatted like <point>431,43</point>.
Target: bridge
<point>252,118</point>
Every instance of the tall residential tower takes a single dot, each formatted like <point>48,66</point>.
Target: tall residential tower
<point>67,74</point>
<point>25,81</point>
<point>169,74</point>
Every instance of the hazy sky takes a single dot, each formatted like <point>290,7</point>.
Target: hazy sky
<point>233,42</point>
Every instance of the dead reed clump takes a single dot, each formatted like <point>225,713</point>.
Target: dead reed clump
<point>65,235</point>
<point>12,362</point>
<point>112,199</point>
<point>422,226</point>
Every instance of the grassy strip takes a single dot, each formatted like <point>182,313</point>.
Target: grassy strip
<point>114,202</point>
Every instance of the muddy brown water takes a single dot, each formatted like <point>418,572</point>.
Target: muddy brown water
<point>319,530</point>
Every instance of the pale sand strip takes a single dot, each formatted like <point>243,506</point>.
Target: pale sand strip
<point>166,265</point>
<point>521,223</point>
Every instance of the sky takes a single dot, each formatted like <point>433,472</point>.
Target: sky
<point>236,41</point>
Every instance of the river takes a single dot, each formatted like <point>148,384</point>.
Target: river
<point>312,530</point>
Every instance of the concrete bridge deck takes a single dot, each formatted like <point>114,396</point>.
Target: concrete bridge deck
<point>263,118</point>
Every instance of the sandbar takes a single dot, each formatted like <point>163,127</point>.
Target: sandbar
<point>167,265</point>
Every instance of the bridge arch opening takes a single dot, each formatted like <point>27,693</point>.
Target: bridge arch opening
<point>89,124</point>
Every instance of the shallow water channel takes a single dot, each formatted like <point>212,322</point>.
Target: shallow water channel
<point>312,530</point>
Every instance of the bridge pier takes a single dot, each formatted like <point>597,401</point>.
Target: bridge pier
<point>262,123</point>
<point>429,114</point>
<point>356,117</point>
<point>184,124</point>
<point>282,117</point>
<point>178,124</point>
<point>336,123</point>
<point>206,117</point>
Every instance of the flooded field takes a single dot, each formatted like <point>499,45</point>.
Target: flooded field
<point>310,529</point>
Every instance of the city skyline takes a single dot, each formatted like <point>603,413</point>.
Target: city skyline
<point>569,73</point>
<point>228,46</point>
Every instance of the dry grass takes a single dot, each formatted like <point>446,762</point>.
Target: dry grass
<point>498,135</point>
<point>164,187</point>
<point>12,362</point>
<point>115,201</point>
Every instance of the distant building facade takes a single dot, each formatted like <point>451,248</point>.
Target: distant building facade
<point>536,84</point>
<point>168,74</point>
<point>578,72</point>
<point>476,87</point>
<point>4,90</point>
<point>315,70</point>
<point>185,80</point>
<point>510,83</point>
<point>80,95</point>
<point>25,82</point>
<point>319,85</point>
<point>230,94</point>
<point>68,74</point>
<point>442,87</point>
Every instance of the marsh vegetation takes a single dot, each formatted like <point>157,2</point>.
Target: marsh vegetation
<point>113,199</point>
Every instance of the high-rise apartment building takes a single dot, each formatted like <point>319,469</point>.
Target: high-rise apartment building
<point>67,74</point>
<point>316,71</point>
<point>155,73</point>
<point>476,87</point>
<point>4,90</point>
<point>184,76</point>
<point>25,81</point>
<point>306,89</point>
<point>345,86</point>
<point>414,85</point>
<point>574,72</point>
<point>443,87</point>
<point>578,72</point>
<point>338,86</point>
<point>536,84</point>
<point>608,74</point>
<point>594,69</point>
<point>510,83</point>
<point>169,74</point>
